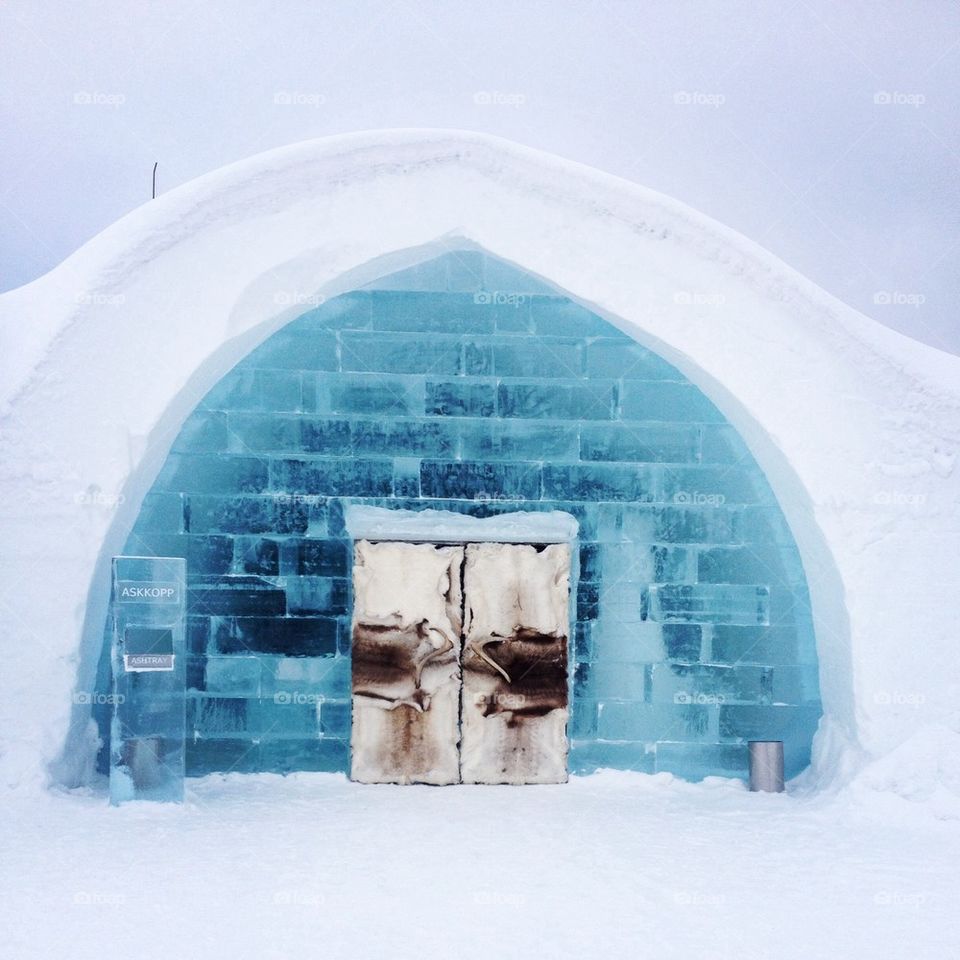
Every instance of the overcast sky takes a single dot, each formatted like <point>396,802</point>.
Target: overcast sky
<point>828,132</point>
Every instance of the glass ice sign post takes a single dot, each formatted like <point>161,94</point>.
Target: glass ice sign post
<point>149,679</point>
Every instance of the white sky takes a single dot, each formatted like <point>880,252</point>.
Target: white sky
<point>764,115</point>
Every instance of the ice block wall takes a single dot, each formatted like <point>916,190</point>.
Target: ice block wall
<point>465,385</point>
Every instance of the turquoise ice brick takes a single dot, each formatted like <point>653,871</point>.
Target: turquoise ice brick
<point>661,400</point>
<point>796,683</point>
<point>628,642</point>
<point>557,400</point>
<point>599,481</point>
<point>710,603</point>
<point>582,724</point>
<point>747,564</point>
<point>287,714</point>
<point>625,720</point>
<point>609,680</point>
<point>293,349</point>
<point>232,676</point>
<point>464,271</point>
<point>257,556</point>
<point>710,684</point>
<point>696,524</point>
<point>511,311</point>
<point>161,513</point>
<point>464,398</point>
<point>252,389</point>
<point>450,313</point>
<point>335,718</point>
<point>406,477</point>
<point>372,393</point>
<point>505,277</point>
<point>710,486</point>
<point>774,644</point>
<point>544,357</point>
<point>401,353</point>
<point>222,756</point>
<point>477,359</point>
<point>588,756</point>
<point>221,717</point>
<point>561,317</point>
<point>204,431</point>
<point>481,481</point>
<point>639,442</point>
<point>319,677</point>
<point>333,477</point>
<point>258,433</point>
<point>683,642</point>
<point>352,436</point>
<point>272,513</point>
<point>764,523</point>
<point>617,357</point>
<point>212,473</point>
<point>518,440</point>
<point>312,596</point>
<point>696,761</point>
<point>720,443</point>
<point>350,311</point>
<point>583,641</point>
<point>289,755</point>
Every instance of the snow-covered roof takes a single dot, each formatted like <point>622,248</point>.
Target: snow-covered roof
<point>857,426</point>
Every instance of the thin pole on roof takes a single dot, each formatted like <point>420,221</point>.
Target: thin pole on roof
<point>154,196</point>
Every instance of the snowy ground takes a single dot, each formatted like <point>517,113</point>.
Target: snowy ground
<point>611,865</point>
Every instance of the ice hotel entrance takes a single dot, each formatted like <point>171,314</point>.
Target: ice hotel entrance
<point>668,629</point>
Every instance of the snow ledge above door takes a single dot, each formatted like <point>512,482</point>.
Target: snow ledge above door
<point>444,526</point>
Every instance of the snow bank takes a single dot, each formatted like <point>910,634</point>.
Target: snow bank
<point>438,526</point>
<point>856,426</point>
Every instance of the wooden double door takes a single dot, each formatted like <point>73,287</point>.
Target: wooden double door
<point>460,663</point>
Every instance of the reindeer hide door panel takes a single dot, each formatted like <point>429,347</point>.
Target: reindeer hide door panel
<point>406,663</point>
<point>514,700</point>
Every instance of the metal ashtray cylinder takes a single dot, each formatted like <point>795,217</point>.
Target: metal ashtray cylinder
<point>766,766</point>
